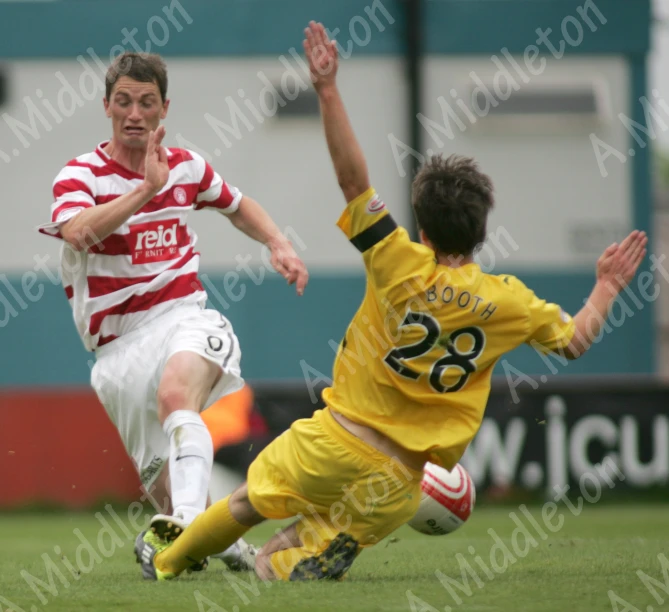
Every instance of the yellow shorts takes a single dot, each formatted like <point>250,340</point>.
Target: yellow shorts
<point>332,482</point>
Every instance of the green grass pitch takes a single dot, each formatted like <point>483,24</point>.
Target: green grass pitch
<point>612,558</point>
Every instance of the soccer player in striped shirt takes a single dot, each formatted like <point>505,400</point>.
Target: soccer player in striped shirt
<point>130,273</point>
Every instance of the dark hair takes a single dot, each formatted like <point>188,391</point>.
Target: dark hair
<point>451,200</point>
<point>142,67</point>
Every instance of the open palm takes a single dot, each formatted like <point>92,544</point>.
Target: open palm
<point>619,262</point>
<point>321,54</point>
<point>156,168</point>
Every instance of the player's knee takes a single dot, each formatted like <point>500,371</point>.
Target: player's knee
<point>242,509</point>
<point>171,397</point>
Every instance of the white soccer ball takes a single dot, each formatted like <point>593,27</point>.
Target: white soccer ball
<point>446,502</point>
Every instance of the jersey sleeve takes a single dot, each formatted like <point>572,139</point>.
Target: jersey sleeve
<point>72,193</point>
<point>390,256</point>
<point>213,192</point>
<point>550,327</point>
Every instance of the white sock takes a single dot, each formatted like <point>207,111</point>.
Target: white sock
<point>191,459</point>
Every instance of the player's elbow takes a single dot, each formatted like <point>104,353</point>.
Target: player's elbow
<point>574,350</point>
<point>73,236</point>
<point>353,188</point>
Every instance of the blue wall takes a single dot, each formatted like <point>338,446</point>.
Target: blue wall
<point>67,28</point>
<point>277,330</point>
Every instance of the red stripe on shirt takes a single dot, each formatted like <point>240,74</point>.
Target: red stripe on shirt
<point>106,340</point>
<point>104,285</point>
<point>208,176</point>
<point>163,200</point>
<point>69,185</point>
<point>97,171</point>
<point>67,205</point>
<point>178,288</point>
<point>221,202</point>
<point>69,292</point>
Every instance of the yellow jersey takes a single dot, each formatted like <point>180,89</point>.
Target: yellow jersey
<point>417,358</point>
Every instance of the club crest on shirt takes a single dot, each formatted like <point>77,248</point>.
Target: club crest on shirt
<point>375,205</point>
<point>180,195</point>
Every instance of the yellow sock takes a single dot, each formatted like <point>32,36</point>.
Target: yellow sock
<point>211,532</point>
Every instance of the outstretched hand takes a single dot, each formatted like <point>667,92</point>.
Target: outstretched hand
<point>322,55</point>
<point>156,168</point>
<point>286,262</point>
<point>619,262</point>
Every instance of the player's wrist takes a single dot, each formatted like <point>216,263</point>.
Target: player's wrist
<point>606,289</point>
<point>278,242</point>
<point>327,90</point>
<point>602,296</point>
<point>147,191</point>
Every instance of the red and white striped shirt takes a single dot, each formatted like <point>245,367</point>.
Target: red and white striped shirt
<point>148,265</point>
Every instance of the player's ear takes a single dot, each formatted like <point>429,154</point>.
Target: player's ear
<point>105,102</point>
<point>163,112</point>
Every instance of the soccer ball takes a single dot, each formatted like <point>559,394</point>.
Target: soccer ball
<point>446,502</point>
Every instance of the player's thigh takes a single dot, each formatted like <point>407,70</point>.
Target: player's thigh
<point>271,487</point>
<point>201,363</point>
<point>186,382</point>
<point>125,383</point>
<point>296,473</point>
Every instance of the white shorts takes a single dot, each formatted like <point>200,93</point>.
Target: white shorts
<point>128,370</point>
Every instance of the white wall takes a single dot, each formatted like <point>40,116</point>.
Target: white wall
<point>547,181</point>
<point>546,175</point>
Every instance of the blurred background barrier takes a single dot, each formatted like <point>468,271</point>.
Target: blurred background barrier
<point>594,432</point>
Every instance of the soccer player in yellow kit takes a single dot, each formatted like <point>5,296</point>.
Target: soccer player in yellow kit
<point>412,375</point>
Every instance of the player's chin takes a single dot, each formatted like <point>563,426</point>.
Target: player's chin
<point>138,140</point>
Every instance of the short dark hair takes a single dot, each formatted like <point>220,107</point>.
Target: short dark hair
<point>142,67</point>
<point>451,199</point>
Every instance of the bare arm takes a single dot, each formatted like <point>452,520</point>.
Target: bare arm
<point>98,222</point>
<point>252,219</point>
<point>347,156</point>
<point>615,269</point>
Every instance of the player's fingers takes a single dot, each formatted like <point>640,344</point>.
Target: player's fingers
<point>150,145</point>
<point>639,257</point>
<point>162,155</point>
<point>277,264</point>
<point>302,280</point>
<point>310,33</point>
<point>637,246</point>
<point>629,240</point>
<point>318,33</point>
<point>634,255</point>
<point>309,53</point>
<point>609,252</point>
<point>160,134</point>
<point>611,249</point>
<point>324,35</point>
